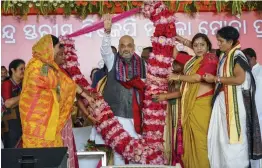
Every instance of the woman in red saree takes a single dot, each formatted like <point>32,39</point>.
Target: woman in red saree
<point>11,89</point>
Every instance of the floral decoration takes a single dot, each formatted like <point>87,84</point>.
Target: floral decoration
<point>148,148</point>
<point>83,8</point>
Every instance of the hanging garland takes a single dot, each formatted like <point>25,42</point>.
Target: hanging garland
<point>83,8</point>
<point>148,149</point>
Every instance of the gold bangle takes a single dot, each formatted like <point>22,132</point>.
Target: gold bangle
<point>178,78</point>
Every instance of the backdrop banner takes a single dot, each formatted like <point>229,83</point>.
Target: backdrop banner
<point>19,36</point>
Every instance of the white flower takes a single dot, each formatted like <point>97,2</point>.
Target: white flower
<point>51,0</point>
<point>146,7</point>
<point>72,5</point>
<point>62,5</point>
<point>19,4</point>
<point>162,40</point>
<point>37,4</point>
<point>14,2</point>
<point>45,4</point>
<point>54,4</point>
<point>30,5</point>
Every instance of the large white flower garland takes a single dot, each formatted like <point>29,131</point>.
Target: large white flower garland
<point>148,149</point>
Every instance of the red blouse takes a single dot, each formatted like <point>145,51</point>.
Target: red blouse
<point>10,90</point>
<point>208,64</point>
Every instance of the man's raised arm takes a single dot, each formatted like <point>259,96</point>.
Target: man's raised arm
<point>106,50</point>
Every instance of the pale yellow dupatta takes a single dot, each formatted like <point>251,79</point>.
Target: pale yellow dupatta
<point>232,111</point>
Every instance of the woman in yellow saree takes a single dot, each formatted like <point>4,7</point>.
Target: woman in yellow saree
<point>195,100</point>
<point>47,97</point>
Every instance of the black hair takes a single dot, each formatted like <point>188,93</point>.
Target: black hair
<point>113,47</point>
<point>148,48</point>
<point>55,40</point>
<point>3,67</point>
<point>14,64</point>
<point>93,70</point>
<point>183,52</point>
<point>105,68</point>
<point>204,36</point>
<point>250,52</point>
<point>218,52</point>
<point>229,33</point>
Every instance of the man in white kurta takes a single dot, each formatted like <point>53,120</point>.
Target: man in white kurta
<point>118,97</point>
<point>257,73</point>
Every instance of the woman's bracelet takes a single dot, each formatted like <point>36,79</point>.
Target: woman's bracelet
<point>177,78</point>
<point>166,97</point>
<point>217,79</point>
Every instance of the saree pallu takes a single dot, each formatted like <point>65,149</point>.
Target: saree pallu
<point>46,99</point>
<point>39,106</point>
<point>45,113</point>
<point>196,114</point>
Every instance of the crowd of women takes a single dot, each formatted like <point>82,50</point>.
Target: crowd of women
<point>213,120</point>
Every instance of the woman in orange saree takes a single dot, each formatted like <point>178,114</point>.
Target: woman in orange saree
<point>47,97</point>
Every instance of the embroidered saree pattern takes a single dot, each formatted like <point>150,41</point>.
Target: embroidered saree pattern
<point>42,104</point>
